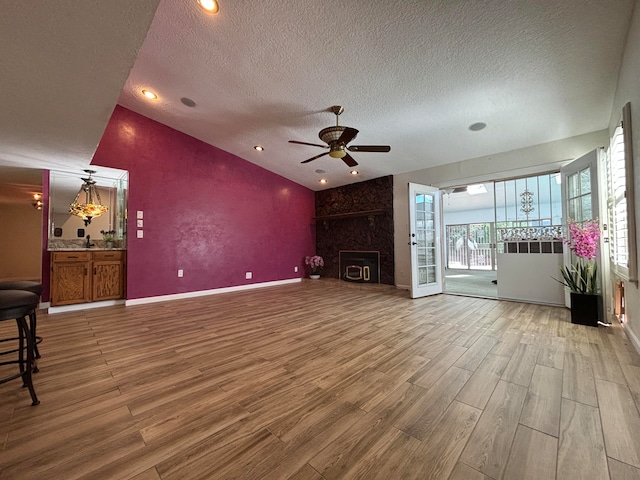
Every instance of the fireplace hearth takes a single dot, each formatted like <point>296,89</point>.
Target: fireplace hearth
<point>360,266</point>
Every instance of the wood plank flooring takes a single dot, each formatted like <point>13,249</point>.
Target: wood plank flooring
<point>324,380</point>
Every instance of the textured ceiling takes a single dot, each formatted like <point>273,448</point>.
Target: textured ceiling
<point>412,74</point>
<point>62,67</point>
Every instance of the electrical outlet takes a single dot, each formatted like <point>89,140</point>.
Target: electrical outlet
<point>295,269</point>
<point>139,214</point>
<point>249,275</point>
<point>140,233</point>
<point>180,273</point>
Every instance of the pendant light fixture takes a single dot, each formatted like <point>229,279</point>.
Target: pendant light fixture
<point>92,206</point>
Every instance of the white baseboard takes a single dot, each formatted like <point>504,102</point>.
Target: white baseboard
<point>202,293</point>
<point>84,306</point>
<point>632,336</point>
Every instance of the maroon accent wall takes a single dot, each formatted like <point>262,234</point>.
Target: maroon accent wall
<point>206,211</point>
<point>338,229</point>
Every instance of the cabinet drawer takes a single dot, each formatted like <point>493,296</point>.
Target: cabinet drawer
<point>70,256</point>
<point>108,255</point>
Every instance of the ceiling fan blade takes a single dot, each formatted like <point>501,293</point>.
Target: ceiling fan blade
<point>369,148</point>
<point>348,135</point>
<point>348,159</point>
<point>313,158</point>
<point>306,143</point>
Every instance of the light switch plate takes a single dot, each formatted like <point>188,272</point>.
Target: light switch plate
<point>140,223</point>
<point>140,233</point>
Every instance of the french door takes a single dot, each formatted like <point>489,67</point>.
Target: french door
<point>580,199</point>
<point>425,244</point>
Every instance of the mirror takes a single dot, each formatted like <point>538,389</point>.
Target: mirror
<point>112,185</point>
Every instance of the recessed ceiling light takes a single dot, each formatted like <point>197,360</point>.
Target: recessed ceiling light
<point>476,127</point>
<point>188,102</point>
<point>149,94</point>
<point>323,180</point>
<point>259,148</point>
<point>209,6</point>
<point>354,172</point>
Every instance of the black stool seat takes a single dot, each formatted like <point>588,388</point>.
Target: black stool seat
<point>18,304</point>
<point>36,288</point>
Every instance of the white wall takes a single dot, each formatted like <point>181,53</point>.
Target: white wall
<point>482,215</point>
<point>529,277</point>
<point>629,91</point>
<point>525,161</point>
<point>20,242</point>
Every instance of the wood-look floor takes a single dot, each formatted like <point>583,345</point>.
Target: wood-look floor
<point>325,380</point>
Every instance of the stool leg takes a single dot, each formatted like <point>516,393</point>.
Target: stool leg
<point>33,324</point>
<point>26,376</point>
<point>20,347</point>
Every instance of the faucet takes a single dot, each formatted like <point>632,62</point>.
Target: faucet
<point>89,244</point>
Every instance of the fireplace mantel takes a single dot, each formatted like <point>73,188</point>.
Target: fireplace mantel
<point>339,216</point>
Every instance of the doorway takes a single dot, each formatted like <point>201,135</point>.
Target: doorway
<point>470,248</point>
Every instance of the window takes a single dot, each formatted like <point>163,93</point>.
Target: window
<point>620,200</point>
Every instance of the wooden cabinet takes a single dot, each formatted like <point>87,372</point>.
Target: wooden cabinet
<point>85,276</point>
<point>108,275</point>
<point>70,282</point>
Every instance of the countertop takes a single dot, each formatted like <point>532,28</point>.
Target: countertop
<point>92,249</point>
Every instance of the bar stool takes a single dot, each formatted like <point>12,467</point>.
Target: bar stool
<point>36,288</point>
<point>18,304</point>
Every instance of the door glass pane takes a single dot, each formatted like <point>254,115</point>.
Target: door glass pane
<point>573,209</point>
<point>431,256</point>
<point>422,275</point>
<point>431,274</point>
<point>572,185</point>
<point>425,238</point>
<point>585,181</point>
<point>428,203</point>
<point>586,208</point>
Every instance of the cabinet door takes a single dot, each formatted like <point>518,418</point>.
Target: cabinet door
<point>107,280</point>
<point>70,283</point>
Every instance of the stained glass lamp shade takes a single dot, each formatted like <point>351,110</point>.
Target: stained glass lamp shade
<point>92,206</point>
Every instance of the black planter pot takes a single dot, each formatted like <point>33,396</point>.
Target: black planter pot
<point>585,309</point>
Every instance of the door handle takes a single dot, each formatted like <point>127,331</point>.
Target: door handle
<point>412,243</point>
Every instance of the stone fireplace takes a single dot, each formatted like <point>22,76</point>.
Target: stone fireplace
<point>360,266</point>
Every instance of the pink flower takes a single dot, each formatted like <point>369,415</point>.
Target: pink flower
<point>314,262</point>
<point>583,239</point>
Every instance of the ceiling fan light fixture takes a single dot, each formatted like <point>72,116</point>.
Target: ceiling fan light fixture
<point>331,134</point>
<point>340,153</point>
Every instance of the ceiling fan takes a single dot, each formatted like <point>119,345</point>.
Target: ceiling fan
<point>337,138</point>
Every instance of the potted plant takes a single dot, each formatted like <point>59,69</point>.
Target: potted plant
<point>315,264</point>
<point>109,237</point>
<point>582,277</point>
